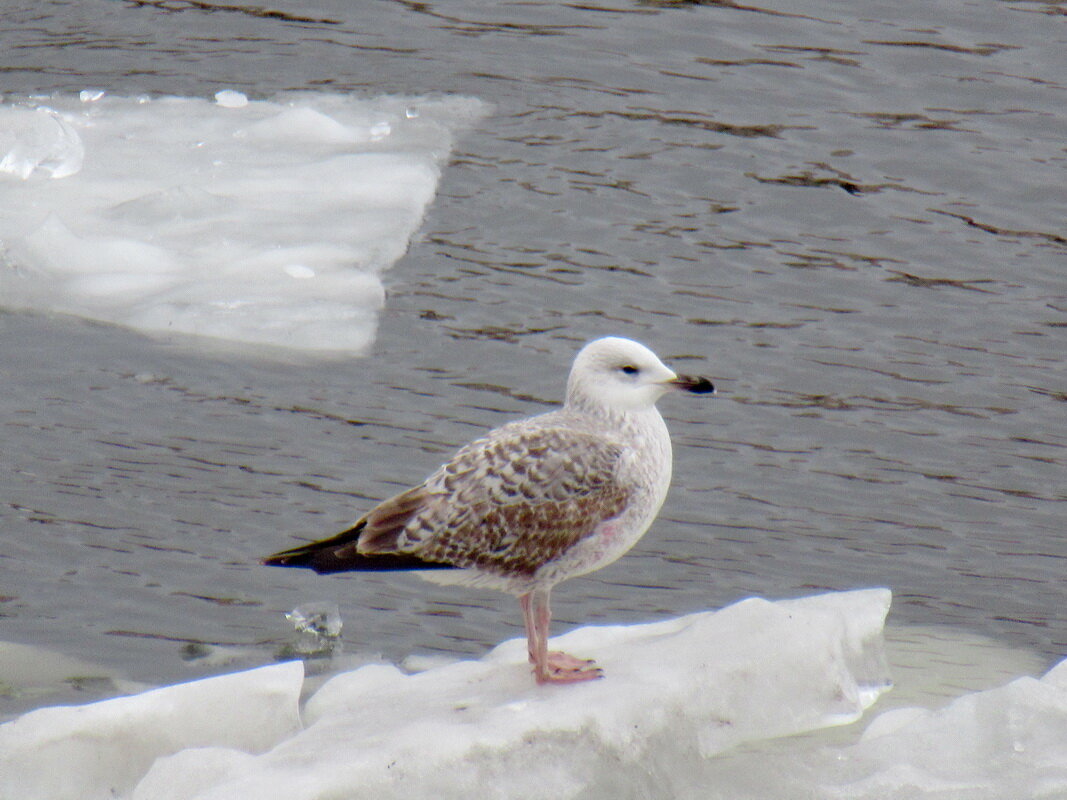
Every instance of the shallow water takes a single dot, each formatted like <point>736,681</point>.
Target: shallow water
<point>849,215</point>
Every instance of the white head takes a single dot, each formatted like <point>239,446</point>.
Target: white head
<point>623,375</point>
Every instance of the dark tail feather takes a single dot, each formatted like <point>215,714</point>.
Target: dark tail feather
<point>339,554</point>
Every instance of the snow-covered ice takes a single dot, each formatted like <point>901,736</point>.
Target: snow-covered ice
<point>703,706</point>
<point>1003,743</point>
<point>266,222</point>
<point>1008,742</point>
<point>102,750</point>
<point>677,691</point>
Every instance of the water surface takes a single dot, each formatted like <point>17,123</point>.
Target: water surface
<point>849,215</point>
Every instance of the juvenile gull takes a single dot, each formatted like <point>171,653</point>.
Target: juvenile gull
<point>532,502</point>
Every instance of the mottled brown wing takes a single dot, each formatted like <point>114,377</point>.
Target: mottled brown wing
<point>507,503</point>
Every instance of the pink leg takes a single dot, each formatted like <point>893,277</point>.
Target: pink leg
<point>554,667</point>
<point>526,601</point>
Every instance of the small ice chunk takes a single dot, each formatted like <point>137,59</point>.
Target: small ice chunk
<point>90,95</point>
<point>318,627</point>
<point>320,618</point>
<point>229,98</point>
<point>38,142</point>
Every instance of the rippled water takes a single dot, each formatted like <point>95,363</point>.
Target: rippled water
<point>850,215</point>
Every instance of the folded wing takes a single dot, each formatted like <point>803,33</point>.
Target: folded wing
<point>505,504</point>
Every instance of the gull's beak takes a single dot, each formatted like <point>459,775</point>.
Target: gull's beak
<point>692,383</point>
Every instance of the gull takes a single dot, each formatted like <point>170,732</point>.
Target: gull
<point>533,502</point>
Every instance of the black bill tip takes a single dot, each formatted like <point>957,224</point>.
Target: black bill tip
<point>694,384</point>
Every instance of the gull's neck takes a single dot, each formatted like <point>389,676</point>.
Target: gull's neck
<point>583,405</point>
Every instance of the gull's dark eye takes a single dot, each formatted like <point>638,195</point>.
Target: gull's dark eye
<point>629,369</point>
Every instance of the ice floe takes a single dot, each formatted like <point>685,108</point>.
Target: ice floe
<point>709,705</point>
<point>266,222</point>
<point>677,691</point>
